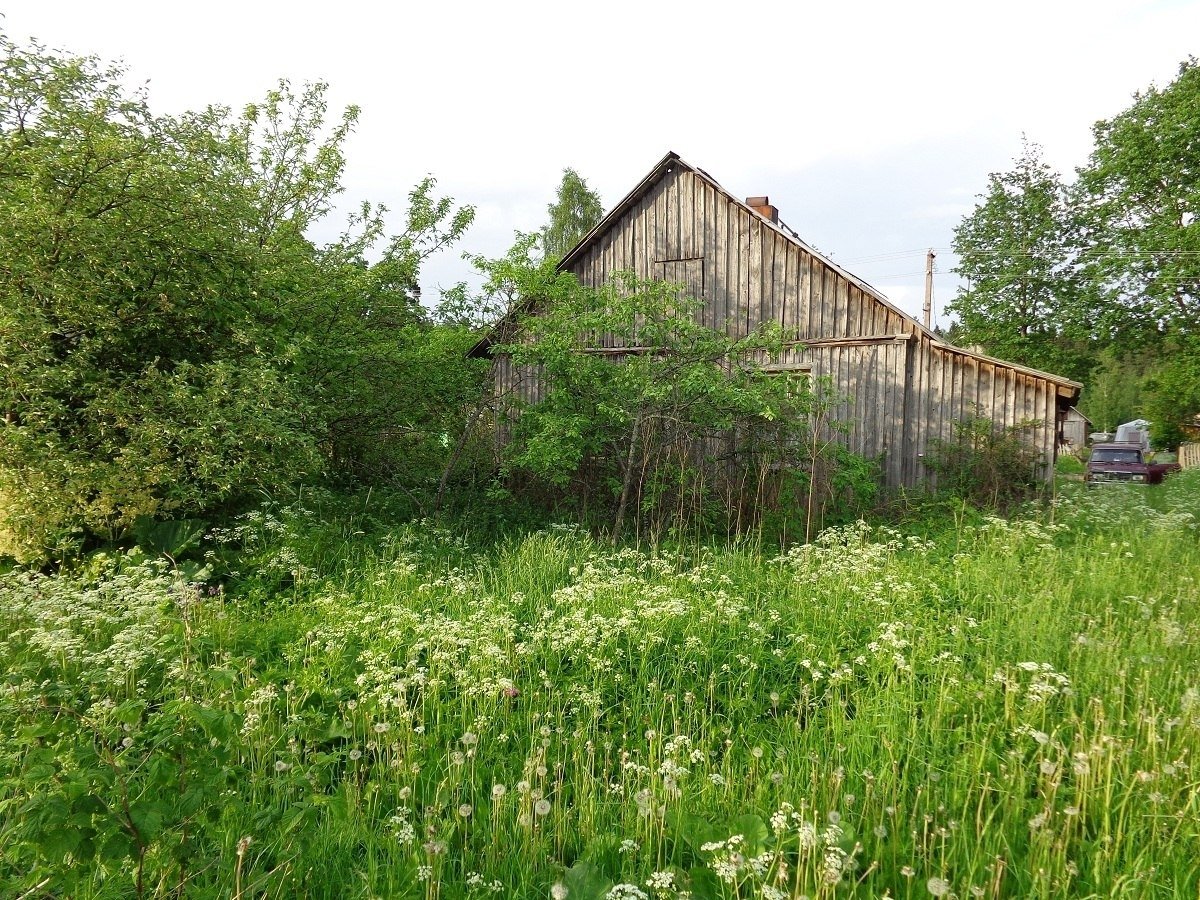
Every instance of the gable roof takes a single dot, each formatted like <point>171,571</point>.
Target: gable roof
<point>668,165</point>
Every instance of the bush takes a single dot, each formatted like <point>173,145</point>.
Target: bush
<point>987,465</point>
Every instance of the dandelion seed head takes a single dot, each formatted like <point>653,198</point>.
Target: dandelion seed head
<point>939,887</point>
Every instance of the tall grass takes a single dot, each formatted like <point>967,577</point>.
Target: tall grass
<point>1008,709</point>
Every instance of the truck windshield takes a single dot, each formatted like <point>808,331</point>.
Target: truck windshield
<point>1100,454</point>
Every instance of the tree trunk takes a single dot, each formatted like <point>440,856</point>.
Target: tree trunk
<point>627,480</point>
<point>483,406</point>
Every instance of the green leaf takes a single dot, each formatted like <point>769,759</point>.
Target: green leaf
<point>585,882</point>
<point>753,829</point>
<point>147,816</point>
<point>704,884</point>
<point>696,831</point>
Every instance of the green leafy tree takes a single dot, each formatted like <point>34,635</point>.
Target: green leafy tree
<point>1114,392</point>
<point>173,339</point>
<point>1015,251</point>
<point>574,212</point>
<point>1139,199</point>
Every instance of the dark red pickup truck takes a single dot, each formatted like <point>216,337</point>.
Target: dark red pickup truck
<point>1124,464</point>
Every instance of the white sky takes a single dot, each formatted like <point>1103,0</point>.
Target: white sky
<point>871,125</point>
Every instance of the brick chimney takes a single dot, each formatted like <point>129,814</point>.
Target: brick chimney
<point>762,206</point>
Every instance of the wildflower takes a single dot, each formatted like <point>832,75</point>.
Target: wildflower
<point>629,846</point>
<point>355,754</point>
<point>908,871</point>
<point>558,891</point>
<point>281,766</point>
<point>498,791</point>
<point>664,881</point>
<point>465,810</point>
<point>626,892</point>
<point>939,887</point>
<point>243,844</point>
<point>834,865</point>
<point>469,739</point>
<point>380,727</point>
<point>542,807</point>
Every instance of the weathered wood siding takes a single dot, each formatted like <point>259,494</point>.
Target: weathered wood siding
<point>949,385</point>
<point>684,229</point>
<point>899,388</point>
<point>1075,430</point>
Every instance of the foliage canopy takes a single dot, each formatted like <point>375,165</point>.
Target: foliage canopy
<point>174,340</point>
<point>1100,279</point>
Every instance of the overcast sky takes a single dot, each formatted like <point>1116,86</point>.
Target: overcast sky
<point>872,126</point>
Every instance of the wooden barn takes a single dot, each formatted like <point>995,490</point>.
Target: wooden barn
<point>904,385</point>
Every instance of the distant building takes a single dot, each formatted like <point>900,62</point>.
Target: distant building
<point>1075,429</point>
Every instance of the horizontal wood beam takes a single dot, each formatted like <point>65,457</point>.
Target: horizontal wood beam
<point>857,341</point>
<point>621,351</point>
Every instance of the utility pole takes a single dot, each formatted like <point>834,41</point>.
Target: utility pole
<point>929,257</point>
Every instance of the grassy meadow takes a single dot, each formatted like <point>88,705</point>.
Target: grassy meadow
<point>983,707</point>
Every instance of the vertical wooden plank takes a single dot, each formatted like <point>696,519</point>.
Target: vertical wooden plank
<point>818,299</point>
<point>887,440</point>
<point>687,246</point>
<point>646,218</point>
<point>829,303</point>
<point>662,246</point>
<point>766,308</point>
<point>804,297</point>
<point>864,411</point>
<point>1048,434</point>
<point>844,306</point>
<point>790,277</point>
<point>870,408</point>
<point>742,220</point>
<point>892,419</point>
<point>949,369</point>
<point>719,216</point>
<point>1051,413</point>
<point>914,413</point>
<point>936,418</point>
<point>896,443</point>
